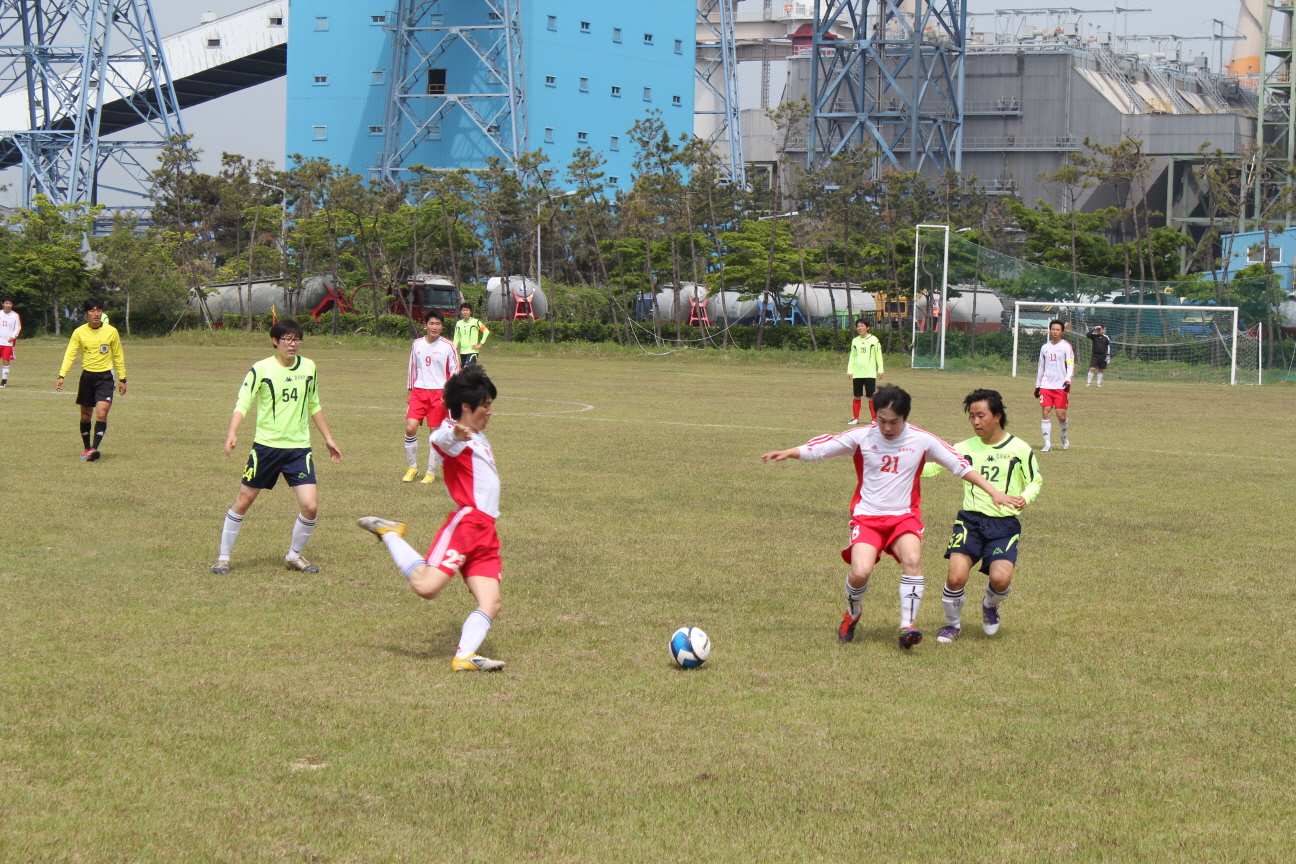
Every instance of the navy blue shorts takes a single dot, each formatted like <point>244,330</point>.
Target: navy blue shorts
<point>985,538</point>
<point>265,464</point>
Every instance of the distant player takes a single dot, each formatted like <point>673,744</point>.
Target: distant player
<point>286,389</point>
<point>984,531</point>
<point>469,335</point>
<point>433,359</point>
<point>1053,383</point>
<point>101,352</point>
<point>886,514</point>
<point>864,368</point>
<point>1101,354</point>
<point>10,327</point>
<point>467,543</point>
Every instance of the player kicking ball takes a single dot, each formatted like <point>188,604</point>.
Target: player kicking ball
<point>886,514</point>
<point>286,389</point>
<point>1053,383</point>
<point>983,530</point>
<point>433,359</point>
<point>467,543</point>
<point>101,352</point>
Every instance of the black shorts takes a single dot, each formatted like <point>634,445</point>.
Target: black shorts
<point>467,360</point>
<point>985,538</point>
<point>1099,363</point>
<point>864,386</point>
<point>94,387</point>
<point>265,464</point>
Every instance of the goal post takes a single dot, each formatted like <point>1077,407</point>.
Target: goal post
<point>929,306</point>
<point>1148,342</point>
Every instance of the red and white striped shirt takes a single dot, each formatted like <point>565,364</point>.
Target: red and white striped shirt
<point>431,364</point>
<point>470,474</point>
<point>888,471</point>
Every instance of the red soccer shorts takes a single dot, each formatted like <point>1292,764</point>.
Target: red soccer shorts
<point>467,544</point>
<point>6,352</point>
<point>1054,398</point>
<point>426,403</point>
<point>881,532</point>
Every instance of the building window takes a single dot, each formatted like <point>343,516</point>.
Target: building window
<point>647,94</point>
<point>1258,254</point>
<point>276,21</point>
<point>584,85</point>
<point>321,23</point>
<point>375,130</point>
<point>434,132</point>
<point>648,39</point>
<point>585,28</point>
<point>679,46</point>
<point>436,19</point>
<point>551,81</point>
<point>378,76</point>
<point>321,133</point>
<point>213,43</point>
<point>675,100</point>
<point>377,19</point>
<point>492,129</point>
<point>613,180</point>
<point>495,16</point>
<point>553,22</point>
<point>582,137</point>
<point>321,80</point>
<point>616,34</point>
<point>549,134</point>
<point>616,91</point>
<point>436,82</point>
<point>616,142</point>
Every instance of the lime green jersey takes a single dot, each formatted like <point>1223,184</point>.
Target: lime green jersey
<point>468,333</point>
<point>865,357</point>
<point>286,398</point>
<point>1010,466</point>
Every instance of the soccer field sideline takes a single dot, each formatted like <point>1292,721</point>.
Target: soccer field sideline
<point>1089,729</point>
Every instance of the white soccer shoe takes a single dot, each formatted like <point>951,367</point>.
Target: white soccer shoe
<point>381,526</point>
<point>1066,444</point>
<point>853,422</point>
<point>300,564</point>
<point>475,663</point>
<point>1046,448</point>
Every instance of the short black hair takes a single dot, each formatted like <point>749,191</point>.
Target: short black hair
<point>466,305</point>
<point>993,401</point>
<point>92,303</point>
<point>1057,321</point>
<point>6,299</point>
<point>470,387</point>
<point>862,320</point>
<point>433,313</point>
<point>891,396</point>
<point>286,327</point>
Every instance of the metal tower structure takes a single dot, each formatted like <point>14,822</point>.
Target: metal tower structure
<point>892,80</point>
<point>717,73</point>
<point>1276,116</point>
<point>81,61</point>
<point>421,96</point>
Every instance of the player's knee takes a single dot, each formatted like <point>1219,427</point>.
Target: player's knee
<point>490,606</point>
<point>427,581</point>
<point>911,561</point>
<point>308,511</point>
<point>860,573</point>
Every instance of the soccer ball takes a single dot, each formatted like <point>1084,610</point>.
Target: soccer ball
<point>690,647</point>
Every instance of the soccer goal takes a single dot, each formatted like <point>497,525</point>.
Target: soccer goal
<point>930,296</point>
<point>1148,342</point>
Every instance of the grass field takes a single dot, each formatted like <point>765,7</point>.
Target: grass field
<point>1137,704</point>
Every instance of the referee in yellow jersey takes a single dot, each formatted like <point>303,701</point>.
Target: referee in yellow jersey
<point>101,352</point>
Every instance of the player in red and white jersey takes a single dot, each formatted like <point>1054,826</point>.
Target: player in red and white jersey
<point>886,510</point>
<point>1053,383</point>
<point>433,359</point>
<point>467,543</point>
<point>10,327</point>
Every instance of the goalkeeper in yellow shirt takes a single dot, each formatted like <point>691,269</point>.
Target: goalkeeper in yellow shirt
<point>100,349</point>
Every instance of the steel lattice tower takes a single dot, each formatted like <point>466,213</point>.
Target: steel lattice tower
<point>895,83</point>
<point>88,67</point>
<point>417,105</point>
<point>717,74</point>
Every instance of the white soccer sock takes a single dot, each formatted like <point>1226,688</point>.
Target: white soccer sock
<point>911,594</point>
<point>402,553</point>
<point>1100,379</point>
<point>853,598</point>
<point>434,458</point>
<point>1046,427</point>
<point>474,631</point>
<point>4,372</point>
<point>302,529</point>
<point>1090,381</point>
<point>411,450</point>
<point>1062,424</point>
<point>953,603</point>
<point>229,533</point>
<point>993,598</point>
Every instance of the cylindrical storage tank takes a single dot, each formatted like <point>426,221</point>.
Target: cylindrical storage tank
<point>224,299</point>
<point>989,309</point>
<point>739,311</point>
<point>1287,312</point>
<point>664,302</point>
<point>502,298</point>
<point>822,301</point>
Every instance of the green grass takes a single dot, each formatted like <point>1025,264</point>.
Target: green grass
<point>1136,705</point>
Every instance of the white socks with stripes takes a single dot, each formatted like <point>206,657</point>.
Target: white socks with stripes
<point>853,597</point>
<point>475,627</point>
<point>911,594</point>
<point>993,598</point>
<point>229,533</point>
<point>411,450</point>
<point>953,603</point>
<point>402,553</point>
<point>301,535</point>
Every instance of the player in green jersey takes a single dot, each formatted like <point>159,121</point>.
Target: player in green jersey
<point>864,368</point>
<point>469,336</point>
<point>983,531</point>
<point>286,389</point>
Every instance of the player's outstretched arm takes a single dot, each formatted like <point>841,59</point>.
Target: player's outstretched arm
<point>1016,502</point>
<point>335,452</point>
<point>231,437</point>
<point>781,455</point>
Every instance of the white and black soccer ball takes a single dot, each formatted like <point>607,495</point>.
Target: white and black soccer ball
<point>690,647</point>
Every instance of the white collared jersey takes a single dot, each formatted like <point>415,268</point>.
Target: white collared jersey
<point>10,325</point>
<point>470,474</point>
<point>1056,365</point>
<point>431,365</point>
<point>888,471</point>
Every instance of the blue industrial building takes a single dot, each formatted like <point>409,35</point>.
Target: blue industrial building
<point>1248,247</point>
<point>590,70</point>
